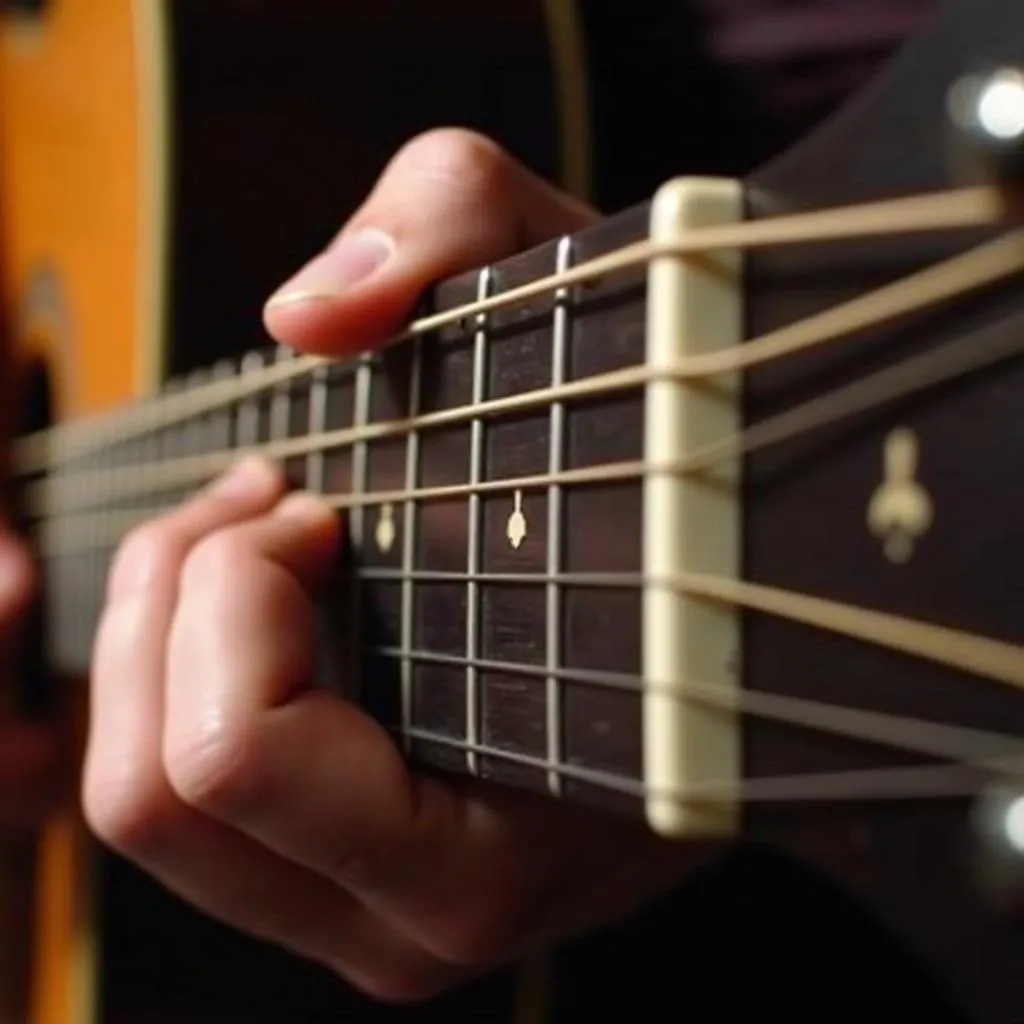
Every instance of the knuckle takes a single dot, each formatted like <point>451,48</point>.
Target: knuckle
<point>217,773</point>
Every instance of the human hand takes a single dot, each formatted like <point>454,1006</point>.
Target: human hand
<point>282,809</point>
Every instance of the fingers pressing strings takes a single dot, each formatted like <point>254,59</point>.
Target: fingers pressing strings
<point>129,799</point>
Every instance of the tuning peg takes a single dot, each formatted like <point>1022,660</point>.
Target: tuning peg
<point>998,849</point>
<point>987,114</point>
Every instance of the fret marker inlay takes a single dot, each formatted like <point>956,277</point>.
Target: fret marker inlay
<point>385,533</point>
<point>517,525</point>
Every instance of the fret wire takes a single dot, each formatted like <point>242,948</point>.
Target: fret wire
<point>357,515</point>
<point>194,427</point>
<point>207,434</point>
<point>90,579</point>
<point>316,460</point>
<point>277,414</point>
<point>560,342</point>
<point>328,668</point>
<point>485,282</point>
<point>281,401</point>
<point>249,408</point>
<point>222,436</point>
<point>93,583</point>
<point>412,470</point>
<point>360,416</point>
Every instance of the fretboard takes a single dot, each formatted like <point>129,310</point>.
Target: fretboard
<point>490,476</point>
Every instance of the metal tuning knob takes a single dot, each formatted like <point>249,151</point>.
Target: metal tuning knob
<point>998,849</point>
<point>987,115</point>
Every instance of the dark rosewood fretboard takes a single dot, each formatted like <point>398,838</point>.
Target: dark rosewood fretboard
<point>501,626</point>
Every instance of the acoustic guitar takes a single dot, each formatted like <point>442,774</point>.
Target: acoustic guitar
<point>704,515</point>
<point>161,166</point>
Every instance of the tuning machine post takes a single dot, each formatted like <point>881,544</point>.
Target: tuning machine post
<point>998,848</point>
<point>986,111</point>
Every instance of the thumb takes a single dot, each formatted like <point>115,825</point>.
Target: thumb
<point>448,202</point>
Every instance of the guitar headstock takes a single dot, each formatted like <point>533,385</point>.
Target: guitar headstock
<point>886,523</point>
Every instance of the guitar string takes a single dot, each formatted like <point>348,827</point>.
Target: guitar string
<point>975,747</point>
<point>971,653</point>
<point>936,284</point>
<point>911,783</point>
<point>720,582</point>
<point>71,530</point>
<point>987,753</point>
<point>945,646</point>
<point>945,210</point>
<point>992,757</point>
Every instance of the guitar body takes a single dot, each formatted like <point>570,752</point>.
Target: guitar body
<point>162,167</point>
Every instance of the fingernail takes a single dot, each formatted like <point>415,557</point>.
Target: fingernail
<point>250,477</point>
<point>304,506</point>
<point>351,260</point>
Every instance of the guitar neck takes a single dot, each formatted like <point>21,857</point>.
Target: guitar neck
<point>493,477</point>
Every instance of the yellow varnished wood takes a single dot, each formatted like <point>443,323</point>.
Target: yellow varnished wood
<point>70,153</point>
<point>81,172</point>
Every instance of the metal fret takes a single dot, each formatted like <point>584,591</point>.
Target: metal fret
<point>170,436</point>
<point>194,430</point>
<point>484,284</point>
<point>412,472</point>
<point>357,515</point>
<point>280,403</point>
<point>556,457</point>
<point>248,427</point>
<point>88,582</point>
<point>360,418</point>
<point>316,479</point>
<point>221,434</point>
